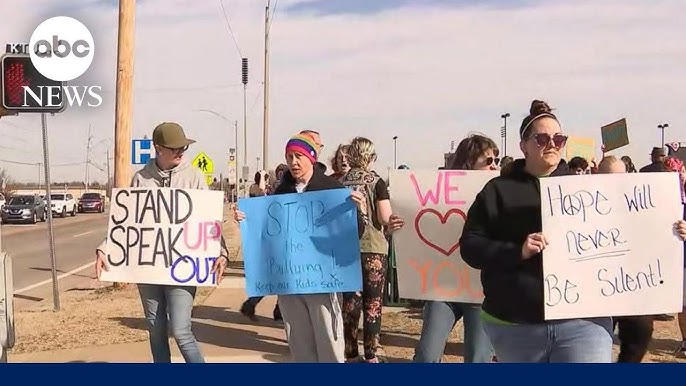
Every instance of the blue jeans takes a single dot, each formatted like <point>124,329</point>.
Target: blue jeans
<point>439,319</point>
<point>177,302</point>
<point>557,341</point>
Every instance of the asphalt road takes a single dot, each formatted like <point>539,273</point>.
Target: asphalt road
<point>75,241</point>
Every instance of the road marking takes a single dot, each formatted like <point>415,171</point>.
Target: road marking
<point>82,234</point>
<point>60,277</point>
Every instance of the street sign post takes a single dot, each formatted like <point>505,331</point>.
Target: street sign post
<point>203,162</point>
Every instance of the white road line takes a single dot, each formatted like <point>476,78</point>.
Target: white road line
<point>60,277</point>
<point>82,234</point>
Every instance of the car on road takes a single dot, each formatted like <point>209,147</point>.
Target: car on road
<point>63,203</point>
<point>92,202</point>
<point>23,208</point>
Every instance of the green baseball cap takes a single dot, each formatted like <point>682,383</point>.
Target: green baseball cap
<point>170,135</point>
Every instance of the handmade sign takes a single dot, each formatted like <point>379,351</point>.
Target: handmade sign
<point>164,236</point>
<point>301,243</point>
<point>434,205</point>
<point>612,248</point>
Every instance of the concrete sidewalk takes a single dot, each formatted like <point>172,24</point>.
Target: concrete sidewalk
<point>224,334</point>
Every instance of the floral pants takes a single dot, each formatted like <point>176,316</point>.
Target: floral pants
<point>374,268</point>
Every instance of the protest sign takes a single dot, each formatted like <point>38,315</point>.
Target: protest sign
<point>612,248</point>
<point>615,135</point>
<point>301,243</point>
<point>164,236</point>
<point>580,147</point>
<point>434,205</point>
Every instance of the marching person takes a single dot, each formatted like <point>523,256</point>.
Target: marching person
<point>502,237</point>
<point>374,252</point>
<point>168,308</point>
<point>475,152</point>
<point>314,322</point>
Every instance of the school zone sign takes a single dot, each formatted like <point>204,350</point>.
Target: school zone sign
<point>428,253</point>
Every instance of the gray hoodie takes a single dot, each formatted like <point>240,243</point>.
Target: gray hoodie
<point>184,176</point>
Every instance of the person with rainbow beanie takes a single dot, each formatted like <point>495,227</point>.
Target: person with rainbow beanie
<point>314,322</point>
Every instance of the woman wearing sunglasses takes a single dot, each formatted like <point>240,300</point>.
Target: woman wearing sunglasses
<point>502,238</point>
<point>475,152</point>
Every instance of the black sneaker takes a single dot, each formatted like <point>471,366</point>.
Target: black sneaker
<point>248,310</point>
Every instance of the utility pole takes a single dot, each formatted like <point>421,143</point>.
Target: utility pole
<point>265,114</point>
<point>395,152</point>
<point>88,158</point>
<point>503,132</point>
<point>245,113</point>
<point>109,180</point>
<point>124,94</point>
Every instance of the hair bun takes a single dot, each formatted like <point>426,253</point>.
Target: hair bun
<point>539,107</point>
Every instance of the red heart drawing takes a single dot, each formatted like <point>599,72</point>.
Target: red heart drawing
<point>443,218</point>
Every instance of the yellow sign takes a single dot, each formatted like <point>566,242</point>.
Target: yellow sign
<point>582,147</point>
<point>204,163</point>
<point>209,180</point>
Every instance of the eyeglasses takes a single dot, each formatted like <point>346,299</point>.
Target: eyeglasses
<point>544,139</point>
<point>177,149</point>
<point>492,160</point>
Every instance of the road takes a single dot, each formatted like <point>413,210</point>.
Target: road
<point>75,241</point>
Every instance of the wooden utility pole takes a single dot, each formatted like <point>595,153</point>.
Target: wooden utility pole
<point>265,115</point>
<point>124,105</point>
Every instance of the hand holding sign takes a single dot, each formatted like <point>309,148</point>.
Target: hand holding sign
<point>533,244</point>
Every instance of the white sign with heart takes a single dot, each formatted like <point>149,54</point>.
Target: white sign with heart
<point>434,205</point>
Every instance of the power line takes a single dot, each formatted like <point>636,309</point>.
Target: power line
<point>181,89</point>
<point>271,18</point>
<point>228,24</point>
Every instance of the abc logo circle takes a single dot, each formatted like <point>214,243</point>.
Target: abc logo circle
<point>61,48</point>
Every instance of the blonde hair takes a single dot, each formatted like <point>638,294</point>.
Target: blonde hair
<point>606,162</point>
<point>361,153</point>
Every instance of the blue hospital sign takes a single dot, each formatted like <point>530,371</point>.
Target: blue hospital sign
<point>141,151</point>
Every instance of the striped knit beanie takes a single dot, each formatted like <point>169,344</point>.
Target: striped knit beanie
<point>305,145</point>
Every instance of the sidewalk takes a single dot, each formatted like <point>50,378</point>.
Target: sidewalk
<point>224,334</point>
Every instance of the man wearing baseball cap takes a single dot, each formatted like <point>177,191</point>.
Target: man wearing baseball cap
<point>169,305</point>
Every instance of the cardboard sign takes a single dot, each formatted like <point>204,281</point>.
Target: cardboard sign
<point>580,147</point>
<point>434,205</point>
<point>301,243</point>
<point>615,135</point>
<point>612,248</point>
<point>164,236</point>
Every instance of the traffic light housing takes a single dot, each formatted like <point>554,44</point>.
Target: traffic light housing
<point>18,72</point>
<point>245,70</point>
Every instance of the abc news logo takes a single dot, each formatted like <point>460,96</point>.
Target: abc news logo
<point>61,49</point>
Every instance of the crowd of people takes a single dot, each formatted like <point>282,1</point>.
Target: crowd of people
<point>502,238</point>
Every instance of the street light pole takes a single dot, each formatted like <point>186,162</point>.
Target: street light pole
<point>395,152</point>
<point>235,127</point>
<point>662,127</point>
<point>503,132</point>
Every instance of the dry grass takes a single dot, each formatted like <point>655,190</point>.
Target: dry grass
<point>88,317</point>
<point>401,332</point>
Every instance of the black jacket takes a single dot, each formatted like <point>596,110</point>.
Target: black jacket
<point>319,181</point>
<point>503,214</point>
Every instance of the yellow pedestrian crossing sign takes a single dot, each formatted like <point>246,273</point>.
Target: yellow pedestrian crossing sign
<point>204,163</point>
<point>209,179</point>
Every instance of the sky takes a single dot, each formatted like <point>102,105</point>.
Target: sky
<point>429,72</point>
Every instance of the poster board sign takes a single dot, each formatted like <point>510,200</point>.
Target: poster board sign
<point>580,147</point>
<point>434,205</point>
<point>301,243</point>
<point>615,135</point>
<point>164,236</point>
<point>612,247</point>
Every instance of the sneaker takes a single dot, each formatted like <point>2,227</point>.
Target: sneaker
<point>248,310</point>
<point>681,351</point>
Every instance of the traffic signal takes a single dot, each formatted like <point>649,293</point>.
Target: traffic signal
<point>25,90</point>
<point>245,70</point>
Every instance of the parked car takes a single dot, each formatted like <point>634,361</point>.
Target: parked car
<point>92,202</point>
<point>63,203</point>
<point>23,208</point>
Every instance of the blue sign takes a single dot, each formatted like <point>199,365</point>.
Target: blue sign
<point>301,243</point>
<point>141,151</point>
